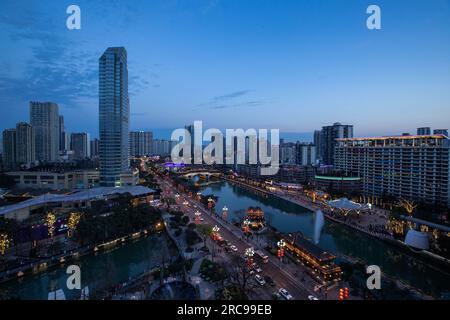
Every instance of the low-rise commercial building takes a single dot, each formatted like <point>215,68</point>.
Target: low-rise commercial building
<point>82,199</point>
<point>67,180</point>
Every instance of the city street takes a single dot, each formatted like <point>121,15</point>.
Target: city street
<point>273,268</point>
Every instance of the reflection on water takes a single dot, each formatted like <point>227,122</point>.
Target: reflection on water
<point>342,241</point>
<point>98,271</point>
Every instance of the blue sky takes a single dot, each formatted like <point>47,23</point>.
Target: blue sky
<point>294,65</point>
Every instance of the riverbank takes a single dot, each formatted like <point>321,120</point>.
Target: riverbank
<point>68,256</point>
<point>442,261</point>
<point>394,259</point>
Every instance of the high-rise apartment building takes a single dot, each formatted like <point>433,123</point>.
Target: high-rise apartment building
<point>288,153</point>
<point>412,167</point>
<point>9,149</point>
<point>80,145</point>
<point>306,154</point>
<point>25,143</point>
<point>94,148</point>
<point>141,143</point>
<point>114,115</point>
<point>44,118</point>
<point>317,142</point>
<point>328,137</point>
<point>61,133</point>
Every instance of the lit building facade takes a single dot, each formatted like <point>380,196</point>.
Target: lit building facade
<point>412,167</point>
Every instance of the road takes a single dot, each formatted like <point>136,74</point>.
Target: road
<point>231,233</point>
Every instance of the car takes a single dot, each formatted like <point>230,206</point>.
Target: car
<point>311,297</point>
<point>256,267</point>
<point>234,248</point>
<point>285,294</point>
<point>260,280</point>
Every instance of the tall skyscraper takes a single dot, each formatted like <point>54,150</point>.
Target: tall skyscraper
<point>306,154</point>
<point>61,134</point>
<point>328,137</point>
<point>94,148</point>
<point>114,114</point>
<point>317,142</point>
<point>44,118</point>
<point>141,143</point>
<point>65,141</point>
<point>424,131</point>
<point>288,153</point>
<point>80,145</point>
<point>9,149</point>
<point>25,143</point>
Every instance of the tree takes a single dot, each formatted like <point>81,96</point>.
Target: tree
<point>192,226</point>
<point>185,220</point>
<point>51,220</point>
<point>74,220</point>
<point>4,243</point>
<point>408,205</point>
<point>239,277</point>
<point>205,231</point>
<point>191,237</point>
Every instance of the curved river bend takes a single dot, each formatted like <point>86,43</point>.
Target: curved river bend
<point>336,238</point>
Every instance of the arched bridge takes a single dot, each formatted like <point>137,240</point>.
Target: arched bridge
<point>200,172</point>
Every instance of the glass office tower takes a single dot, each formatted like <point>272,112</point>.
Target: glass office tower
<point>114,114</point>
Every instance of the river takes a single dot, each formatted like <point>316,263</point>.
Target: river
<point>125,261</point>
<point>98,271</point>
<point>336,238</point>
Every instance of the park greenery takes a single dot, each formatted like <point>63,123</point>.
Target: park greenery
<point>120,220</point>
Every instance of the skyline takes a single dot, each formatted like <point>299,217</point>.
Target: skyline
<point>309,57</point>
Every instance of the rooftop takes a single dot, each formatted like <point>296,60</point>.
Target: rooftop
<point>401,137</point>
<point>84,195</point>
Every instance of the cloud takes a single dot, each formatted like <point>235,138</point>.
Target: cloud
<point>238,105</point>
<point>232,95</point>
<point>59,69</point>
<point>230,100</point>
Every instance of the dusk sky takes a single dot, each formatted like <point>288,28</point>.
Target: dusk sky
<point>295,65</point>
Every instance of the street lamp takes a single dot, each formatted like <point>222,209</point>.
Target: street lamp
<point>246,227</point>
<point>249,253</point>
<point>197,216</point>
<point>224,213</point>
<point>281,244</point>
<point>210,203</point>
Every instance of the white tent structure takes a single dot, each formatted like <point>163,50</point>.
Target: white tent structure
<point>345,206</point>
